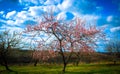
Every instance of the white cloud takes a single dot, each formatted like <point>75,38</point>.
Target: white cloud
<point>10,22</point>
<point>1,12</point>
<point>34,1</point>
<point>109,18</point>
<point>53,7</point>
<point>61,16</point>
<point>10,14</point>
<point>19,21</point>
<point>16,29</point>
<point>99,8</point>
<point>21,17</point>
<point>49,2</point>
<point>38,2</point>
<point>36,10</point>
<point>87,17</point>
<point>22,14</point>
<point>28,2</point>
<point>16,18</point>
<point>3,21</point>
<point>105,26</point>
<point>12,28</point>
<point>114,29</point>
<point>65,5</point>
<point>78,6</point>
<point>90,17</point>
<point>52,2</point>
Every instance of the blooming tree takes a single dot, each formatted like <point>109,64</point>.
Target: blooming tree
<point>67,35</point>
<point>42,53</point>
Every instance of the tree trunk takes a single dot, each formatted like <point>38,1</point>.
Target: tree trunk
<point>114,62</point>
<point>64,67</point>
<point>63,57</point>
<point>35,64</point>
<point>77,62</point>
<point>7,68</point>
<point>5,63</point>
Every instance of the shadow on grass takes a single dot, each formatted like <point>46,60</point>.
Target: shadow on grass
<point>15,72</point>
<point>112,64</point>
<point>99,72</point>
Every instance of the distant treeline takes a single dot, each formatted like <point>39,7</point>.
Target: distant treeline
<point>22,57</point>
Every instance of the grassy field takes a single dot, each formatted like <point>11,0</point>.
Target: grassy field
<point>56,69</point>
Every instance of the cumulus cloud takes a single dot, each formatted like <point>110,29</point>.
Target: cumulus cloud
<point>71,6</point>
<point>2,21</point>
<point>65,5</point>
<point>54,8</point>
<point>19,22</point>
<point>105,26</point>
<point>32,12</point>
<point>49,2</point>
<point>12,28</point>
<point>36,10</point>
<point>64,9</point>
<point>83,6</point>
<point>17,29</point>
<point>10,22</point>
<point>90,17</point>
<point>61,16</point>
<point>39,2</point>
<point>52,2</point>
<point>87,17</point>
<point>1,12</point>
<point>16,18</point>
<point>30,2</point>
<point>109,18</point>
<point>114,29</point>
<point>114,20</point>
<point>22,15</point>
<point>10,14</point>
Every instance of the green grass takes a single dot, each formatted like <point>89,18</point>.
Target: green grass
<point>56,69</point>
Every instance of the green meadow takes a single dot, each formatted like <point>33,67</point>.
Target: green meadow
<point>71,69</point>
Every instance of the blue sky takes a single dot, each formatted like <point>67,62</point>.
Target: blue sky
<point>16,14</point>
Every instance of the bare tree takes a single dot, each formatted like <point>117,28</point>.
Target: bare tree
<point>113,47</point>
<point>82,52</point>
<point>8,41</point>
